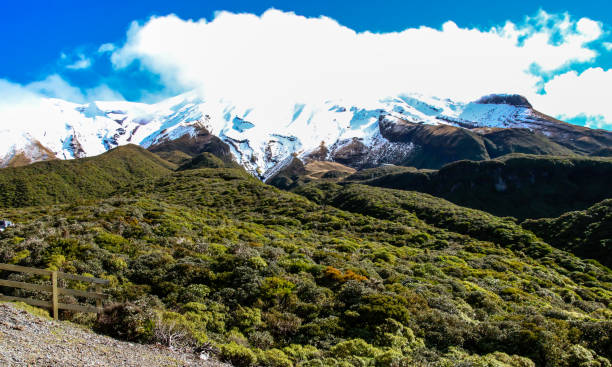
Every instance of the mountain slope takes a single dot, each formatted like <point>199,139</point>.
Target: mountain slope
<point>586,233</point>
<point>434,145</point>
<point>198,140</point>
<point>500,142</point>
<point>522,186</point>
<point>207,160</point>
<point>399,205</point>
<point>59,181</point>
<point>405,129</point>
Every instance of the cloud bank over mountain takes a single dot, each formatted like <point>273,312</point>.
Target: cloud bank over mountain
<point>276,59</point>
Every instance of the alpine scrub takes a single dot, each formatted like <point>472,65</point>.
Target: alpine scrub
<point>360,276</point>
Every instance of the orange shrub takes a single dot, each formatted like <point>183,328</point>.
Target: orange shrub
<point>336,275</point>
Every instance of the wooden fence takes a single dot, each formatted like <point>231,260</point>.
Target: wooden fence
<point>54,304</point>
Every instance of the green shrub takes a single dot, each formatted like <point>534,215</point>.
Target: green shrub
<point>194,293</point>
<point>111,242</point>
<point>389,357</point>
<point>127,321</point>
<point>275,288</point>
<point>261,339</point>
<point>247,318</point>
<point>273,358</point>
<point>237,355</point>
<point>376,308</point>
<point>354,347</point>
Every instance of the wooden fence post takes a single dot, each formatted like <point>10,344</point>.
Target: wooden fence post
<point>55,290</point>
<point>54,294</point>
<point>98,288</point>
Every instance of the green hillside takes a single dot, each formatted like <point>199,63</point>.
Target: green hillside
<point>356,276</point>
<point>586,233</point>
<point>208,160</point>
<point>517,185</point>
<point>59,181</point>
<point>404,206</point>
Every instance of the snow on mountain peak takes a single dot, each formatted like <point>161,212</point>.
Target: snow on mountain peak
<point>259,138</point>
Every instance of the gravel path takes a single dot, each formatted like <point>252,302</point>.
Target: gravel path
<point>28,340</point>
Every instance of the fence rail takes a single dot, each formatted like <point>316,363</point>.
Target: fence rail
<point>55,291</point>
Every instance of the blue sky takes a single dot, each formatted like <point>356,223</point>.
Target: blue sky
<point>54,47</point>
<point>37,32</point>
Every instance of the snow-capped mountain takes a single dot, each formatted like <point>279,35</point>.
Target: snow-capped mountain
<point>260,139</point>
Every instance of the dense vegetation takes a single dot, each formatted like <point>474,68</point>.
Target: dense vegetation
<point>58,181</point>
<point>518,185</point>
<point>404,206</point>
<point>291,176</point>
<point>586,233</point>
<point>207,160</point>
<point>341,276</point>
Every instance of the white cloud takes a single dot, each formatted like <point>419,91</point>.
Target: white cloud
<point>107,47</point>
<point>81,63</point>
<point>276,57</point>
<point>27,110</point>
<point>596,122</point>
<point>575,95</point>
<point>55,86</point>
<point>102,93</point>
<point>11,94</point>
<point>21,110</point>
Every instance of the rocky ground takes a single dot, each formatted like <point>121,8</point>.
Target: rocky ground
<point>29,340</point>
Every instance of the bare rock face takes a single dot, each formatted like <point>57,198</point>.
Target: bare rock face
<point>356,154</point>
<point>351,152</point>
<point>77,148</point>
<point>198,140</point>
<point>509,99</point>
<point>319,154</point>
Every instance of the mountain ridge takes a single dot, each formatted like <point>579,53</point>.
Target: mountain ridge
<point>262,140</point>
<point>518,185</point>
<point>59,181</point>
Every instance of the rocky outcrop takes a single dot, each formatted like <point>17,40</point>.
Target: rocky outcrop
<point>509,99</point>
<point>192,143</point>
